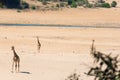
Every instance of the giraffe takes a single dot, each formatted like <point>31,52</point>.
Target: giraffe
<point>38,44</point>
<point>93,49</point>
<point>16,60</point>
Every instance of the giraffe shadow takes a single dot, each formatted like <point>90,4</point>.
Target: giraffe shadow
<point>25,72</point>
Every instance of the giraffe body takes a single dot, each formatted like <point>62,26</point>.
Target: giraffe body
<point>16,61</point>
<point>38,44</point>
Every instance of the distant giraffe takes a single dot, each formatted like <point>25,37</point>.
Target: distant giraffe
<point>16,60</point>
<point>93,49</point>
<point>38,44</point>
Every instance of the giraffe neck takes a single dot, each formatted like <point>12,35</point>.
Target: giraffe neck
<point>92,47</point>
<point>14,53</point>
<point>93,44</point>
<point>38,40</point>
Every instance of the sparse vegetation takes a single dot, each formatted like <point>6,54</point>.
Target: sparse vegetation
<point>107,68</point>
<point>33,7</point>
<point>73,5</point>
<point>61,3</point>
<point>57,5</point>
<point>69,2</point>
<point>89,5</point>
<point>82,2</point>
<point>101,1</point>
<point>105,5</point>
<point>1,5</point>
<point>114,4</point>
<point>12,3</point>
<point>73,76</point>
<point>44,2</point>
<point>24,5</point>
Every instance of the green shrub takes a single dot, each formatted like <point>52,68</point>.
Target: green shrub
<point>69,2</point>
<point>114,4</point>
<point>24,5</point>
<point>89,5</point>
<point>52,6</point>
<point>57,5</point>
<point>73,5</point>
<point>105,5</point>
<point>33,7</point>
<point>1,5</point>
<point>118,78</point>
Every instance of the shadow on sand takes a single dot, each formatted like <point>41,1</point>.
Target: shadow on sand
<point>25,72</point>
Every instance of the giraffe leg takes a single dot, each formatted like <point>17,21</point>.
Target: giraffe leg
<point>12,66</point>
<point>39,48</point>
<point>18,66</point>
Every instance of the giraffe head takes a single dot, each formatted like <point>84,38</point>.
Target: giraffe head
<point>12,48</point>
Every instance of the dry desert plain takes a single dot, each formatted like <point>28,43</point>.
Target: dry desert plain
<point>64,50</point>
<point>77,17</point>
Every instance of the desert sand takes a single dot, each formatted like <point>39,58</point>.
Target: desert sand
<point>98,17</point>
<point>63,52</point>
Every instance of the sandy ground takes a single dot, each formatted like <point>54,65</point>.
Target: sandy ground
<point>81,17</point>
<point>63,52</point>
